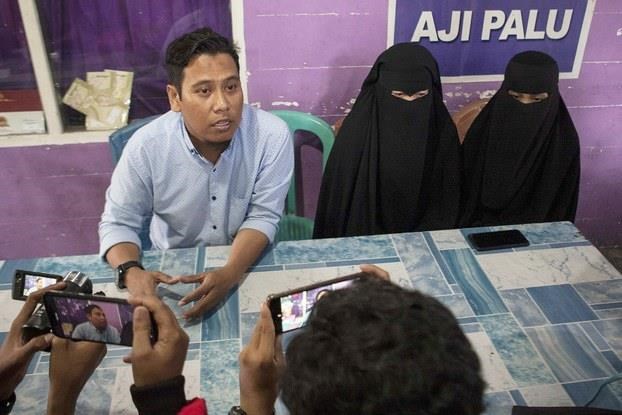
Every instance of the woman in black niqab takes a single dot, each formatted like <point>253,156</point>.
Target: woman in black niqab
<point>521,160</point>
<point>395,165</point>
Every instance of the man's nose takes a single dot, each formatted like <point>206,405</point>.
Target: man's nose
<point>221,101</point>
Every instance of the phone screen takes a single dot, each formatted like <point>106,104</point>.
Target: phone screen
<point>291,309</point>
<point>90,317</point>
<point>485,241</point>
<point>27,282</point>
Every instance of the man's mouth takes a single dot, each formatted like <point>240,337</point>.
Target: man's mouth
<point>222,125</point>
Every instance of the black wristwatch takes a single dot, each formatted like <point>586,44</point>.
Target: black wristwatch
<point>122,270</point>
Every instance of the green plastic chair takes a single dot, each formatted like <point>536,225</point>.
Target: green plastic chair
<point>293,227</point>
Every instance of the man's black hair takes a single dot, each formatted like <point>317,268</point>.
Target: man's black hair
<point>181,51</point>
<point>376,348</point>
<point>89,308</point>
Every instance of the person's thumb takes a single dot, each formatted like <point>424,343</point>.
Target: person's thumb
<point>142,329</point>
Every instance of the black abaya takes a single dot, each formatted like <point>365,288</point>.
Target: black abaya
<point>521,161</point>
<point>395,165</point>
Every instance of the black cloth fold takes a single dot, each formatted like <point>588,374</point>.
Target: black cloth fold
<point>166,397</point>
<point>522,161</point>
<point>395,164</point>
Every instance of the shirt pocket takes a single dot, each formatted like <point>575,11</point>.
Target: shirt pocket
<point>237,214</point>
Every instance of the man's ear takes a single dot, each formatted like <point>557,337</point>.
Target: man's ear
<point>174,99</point>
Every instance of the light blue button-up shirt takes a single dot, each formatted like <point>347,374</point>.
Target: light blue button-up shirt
<point>195,202</point>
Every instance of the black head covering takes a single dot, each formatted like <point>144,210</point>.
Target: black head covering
<point>521,161</point>
<point>395,164</point>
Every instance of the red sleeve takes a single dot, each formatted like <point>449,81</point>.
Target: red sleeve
<point>196,406</point>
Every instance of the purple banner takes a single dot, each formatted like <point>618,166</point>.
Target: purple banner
<point>478,37</point>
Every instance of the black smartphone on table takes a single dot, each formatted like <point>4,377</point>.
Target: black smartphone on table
<point>488,241</point>
<point>290,309</point>
<point>27,282</point>
<point>95,318</point>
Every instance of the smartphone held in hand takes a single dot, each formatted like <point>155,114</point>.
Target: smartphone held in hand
<point>290,309</point>
<point>91,317</point>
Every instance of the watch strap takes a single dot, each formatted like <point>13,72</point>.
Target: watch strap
<point>122,270</point>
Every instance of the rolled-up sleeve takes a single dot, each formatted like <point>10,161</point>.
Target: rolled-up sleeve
<point>272,183</point>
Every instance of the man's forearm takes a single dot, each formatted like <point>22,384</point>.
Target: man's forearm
<point>123,252</point>
<point>246,248</point>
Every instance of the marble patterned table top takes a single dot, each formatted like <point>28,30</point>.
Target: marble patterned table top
<point>545,320</point>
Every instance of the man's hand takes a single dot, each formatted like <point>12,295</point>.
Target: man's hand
<point>14,354</point>
<point>164,360</point>
<point>214,287</point>
<point>261,365</point>
<point>144,282</point>
<point>71,364</point>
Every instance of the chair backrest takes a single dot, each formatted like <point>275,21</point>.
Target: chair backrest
<point>117,142</point>
<point>302,121</point>
<point>119,138</point>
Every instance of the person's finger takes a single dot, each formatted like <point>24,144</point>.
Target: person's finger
<point>165,278</point>
<point>207,302</point>
<point>31,303</point>
<point>188,279</point>
<point>37,344</point>
<point>266,341</point>
<point>141,343</point>
<point>164,317</point>
<point>256,336</point>
<point>128,358</point>
<point>376,271</point>
<point>196,294</point>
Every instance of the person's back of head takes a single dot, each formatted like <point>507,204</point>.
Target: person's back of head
<point>377,348</point>
<point>181,51</point>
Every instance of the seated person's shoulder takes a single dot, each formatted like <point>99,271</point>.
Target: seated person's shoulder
<point>268,122</point>
<point>154,132</point>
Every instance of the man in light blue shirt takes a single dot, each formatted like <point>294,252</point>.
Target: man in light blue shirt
<point>212,171</point>
<point>96,328</point>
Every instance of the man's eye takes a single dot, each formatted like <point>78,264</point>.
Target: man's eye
<point>204,91</point>
<point>232,87</point>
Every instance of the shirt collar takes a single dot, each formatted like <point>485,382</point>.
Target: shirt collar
<point>192,150</point>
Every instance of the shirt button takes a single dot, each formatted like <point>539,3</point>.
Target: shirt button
<point>213,197</point>
<point>214,227</point>
<point>214,170</point>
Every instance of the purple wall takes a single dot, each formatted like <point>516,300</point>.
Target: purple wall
<point>313,56</point>
<point>52,198</point>
<point>326,48</point>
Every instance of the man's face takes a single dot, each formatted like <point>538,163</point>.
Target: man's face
<point>211,99</point>
<point>39,283</point>
<point>97,317</point>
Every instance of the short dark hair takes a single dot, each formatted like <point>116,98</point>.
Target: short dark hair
<point>378,348</point>
<point>89,308</point>
<point>181,51</point>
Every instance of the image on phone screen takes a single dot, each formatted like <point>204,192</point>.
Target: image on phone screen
<point>27,282</point>
<point>291,309</point>
<point>89,317</point>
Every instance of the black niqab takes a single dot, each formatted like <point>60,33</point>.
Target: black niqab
<point>395,164</point>
<point>521,161</point>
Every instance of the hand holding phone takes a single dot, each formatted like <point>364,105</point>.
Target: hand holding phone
<point>290,309</point>
<point>488,241</point>
<point>154,363</point>
<point>90,317</point>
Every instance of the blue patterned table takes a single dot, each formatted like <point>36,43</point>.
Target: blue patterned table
<point>546,320</point>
